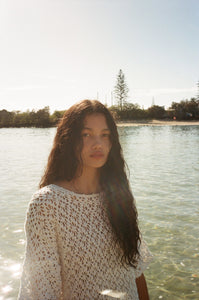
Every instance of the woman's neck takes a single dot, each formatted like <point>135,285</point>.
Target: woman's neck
<point>87,182</point>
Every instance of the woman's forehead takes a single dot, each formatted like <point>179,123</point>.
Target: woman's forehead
<point>95,120</point>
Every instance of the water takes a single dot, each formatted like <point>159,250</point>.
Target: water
<point>164,174</point>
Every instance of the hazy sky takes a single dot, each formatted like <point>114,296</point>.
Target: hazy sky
<point>56,52</point>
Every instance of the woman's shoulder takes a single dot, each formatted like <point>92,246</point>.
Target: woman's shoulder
<point>48,196</point>
<point>43,202</point>
<point>45,193</point>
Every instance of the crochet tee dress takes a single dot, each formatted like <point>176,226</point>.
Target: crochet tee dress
<point>71,251</point>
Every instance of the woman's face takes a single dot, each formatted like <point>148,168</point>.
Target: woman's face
<point>96,141</point>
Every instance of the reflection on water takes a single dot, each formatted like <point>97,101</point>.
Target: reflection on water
<point>113,294</point>
<point>10,272</point>
<point>164,174</point>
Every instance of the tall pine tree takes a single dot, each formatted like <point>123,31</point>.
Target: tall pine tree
<point>121,90</point>
<point>197,97</point>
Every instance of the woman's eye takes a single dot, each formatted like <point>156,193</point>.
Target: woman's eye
<point>106,135</point>
<point>86,134</point>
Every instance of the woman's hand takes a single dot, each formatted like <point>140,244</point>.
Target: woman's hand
<point>142,288</point>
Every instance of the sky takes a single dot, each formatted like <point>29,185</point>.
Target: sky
<point>57,52</point>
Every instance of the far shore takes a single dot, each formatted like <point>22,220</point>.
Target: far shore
<point>156,123</point>
<point>133,123</point>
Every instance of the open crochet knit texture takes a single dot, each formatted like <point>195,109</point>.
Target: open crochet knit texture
<point>71,251</point>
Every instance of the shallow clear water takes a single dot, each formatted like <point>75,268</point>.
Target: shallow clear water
<point>163,163</point>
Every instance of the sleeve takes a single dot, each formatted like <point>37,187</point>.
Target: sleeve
<point>144,259</point>
<point>41,275</point>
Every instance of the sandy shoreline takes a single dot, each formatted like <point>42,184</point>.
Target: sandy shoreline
<point>157,123</point>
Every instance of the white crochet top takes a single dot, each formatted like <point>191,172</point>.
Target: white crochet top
<point>70,250</point>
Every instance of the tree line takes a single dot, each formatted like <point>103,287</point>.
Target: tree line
<point>123,110</point>
<point>40,118</point>
<point>184,110</point>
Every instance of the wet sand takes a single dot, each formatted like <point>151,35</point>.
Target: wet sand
<point>157,123</point>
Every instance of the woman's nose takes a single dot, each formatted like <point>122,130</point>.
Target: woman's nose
<point>97,143</point>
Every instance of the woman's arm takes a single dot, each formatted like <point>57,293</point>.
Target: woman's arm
<point>41,278</point>
<point>142,288</point>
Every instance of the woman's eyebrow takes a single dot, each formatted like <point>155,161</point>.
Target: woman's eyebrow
<point>106,129</point>
<point>87,128</point>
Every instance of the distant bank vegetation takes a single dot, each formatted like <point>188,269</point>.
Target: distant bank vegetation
<point>184,110</point>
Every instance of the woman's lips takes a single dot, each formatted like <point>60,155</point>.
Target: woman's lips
<point>97,155</point>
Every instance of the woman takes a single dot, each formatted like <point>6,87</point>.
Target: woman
<point>83,240</point>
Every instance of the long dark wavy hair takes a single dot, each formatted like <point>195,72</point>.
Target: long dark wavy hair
<point>63,163</point>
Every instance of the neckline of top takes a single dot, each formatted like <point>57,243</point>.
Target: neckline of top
<point>58,187</point>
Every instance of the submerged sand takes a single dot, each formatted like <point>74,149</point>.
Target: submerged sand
<point>157,123</point>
